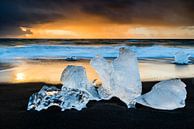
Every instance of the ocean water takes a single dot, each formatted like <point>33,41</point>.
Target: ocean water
<point>28,60</point>
<point>86,49</point>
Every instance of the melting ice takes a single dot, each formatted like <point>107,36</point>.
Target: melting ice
<point>120,78</point>
<point>75,92</point>
<point>52,96</point>
<point>166,95</point>
<point>181,57</point>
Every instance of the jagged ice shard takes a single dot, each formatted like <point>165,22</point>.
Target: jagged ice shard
<point>165,95</point>
<point>120,78</point>
<point>52,96</point>
<point>75,93</point>
<point>181,58</point>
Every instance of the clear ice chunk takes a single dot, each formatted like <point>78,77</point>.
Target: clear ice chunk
<point>125,77</point>
<point>75,93</point>
<point>51,96</point>
<point>181,58</point>
<point>120,78</point>
<point>165,95</point>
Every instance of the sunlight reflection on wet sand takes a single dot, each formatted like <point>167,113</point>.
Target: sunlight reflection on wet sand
<point>50,71</point>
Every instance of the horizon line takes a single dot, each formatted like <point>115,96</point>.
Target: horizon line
<point>100,38</point>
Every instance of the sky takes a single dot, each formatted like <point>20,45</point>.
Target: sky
<point>171,19</point>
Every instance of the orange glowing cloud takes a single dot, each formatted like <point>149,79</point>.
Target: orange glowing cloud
<point>97,19</point>
<point>92,28</point>
<point>98,27</point>
<point>63,29</point>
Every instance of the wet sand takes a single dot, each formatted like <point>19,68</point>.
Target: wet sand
<point>111,114</point>
<point>35,70</point>
<point>4,66</point>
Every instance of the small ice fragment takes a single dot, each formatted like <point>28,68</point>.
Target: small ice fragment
<point>72,58</point>
<point>181,57</point>
<point>120,78</point>
<point>165,95</point>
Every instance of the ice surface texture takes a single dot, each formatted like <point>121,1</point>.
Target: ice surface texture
<point>75,92</point>
<point>120,78</point>
<point>165,95</point>
<point>104,70</point>
<point>75,77</point>
<point>181,58</point>
<point>51,96</point>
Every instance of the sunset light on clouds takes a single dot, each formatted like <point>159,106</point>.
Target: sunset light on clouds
<point>97,19</point>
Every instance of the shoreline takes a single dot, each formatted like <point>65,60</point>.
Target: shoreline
<point>149,71</point>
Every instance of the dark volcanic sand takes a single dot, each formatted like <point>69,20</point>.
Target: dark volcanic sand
<point>102,115</point>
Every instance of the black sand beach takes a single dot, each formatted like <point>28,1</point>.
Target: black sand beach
<point>102,115</point>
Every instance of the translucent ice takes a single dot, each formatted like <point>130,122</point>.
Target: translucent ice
<point>51,96</point>
<point>120,78</point>
<point>165,95</point>
<point>75,93</point>
<point>104,70</point>
<point>75,77</point>
<point>181,57</point>
<point>125,78</point>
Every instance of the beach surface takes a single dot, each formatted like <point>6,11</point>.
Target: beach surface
<point>112,114</point>
<point>25,71</point>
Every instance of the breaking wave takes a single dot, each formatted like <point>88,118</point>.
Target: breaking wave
<point>86,52</point>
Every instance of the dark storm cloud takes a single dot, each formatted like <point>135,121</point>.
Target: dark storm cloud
<point>17,13</point>
<point>164,12</point>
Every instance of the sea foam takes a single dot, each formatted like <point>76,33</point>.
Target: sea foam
<point>86,52</point>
